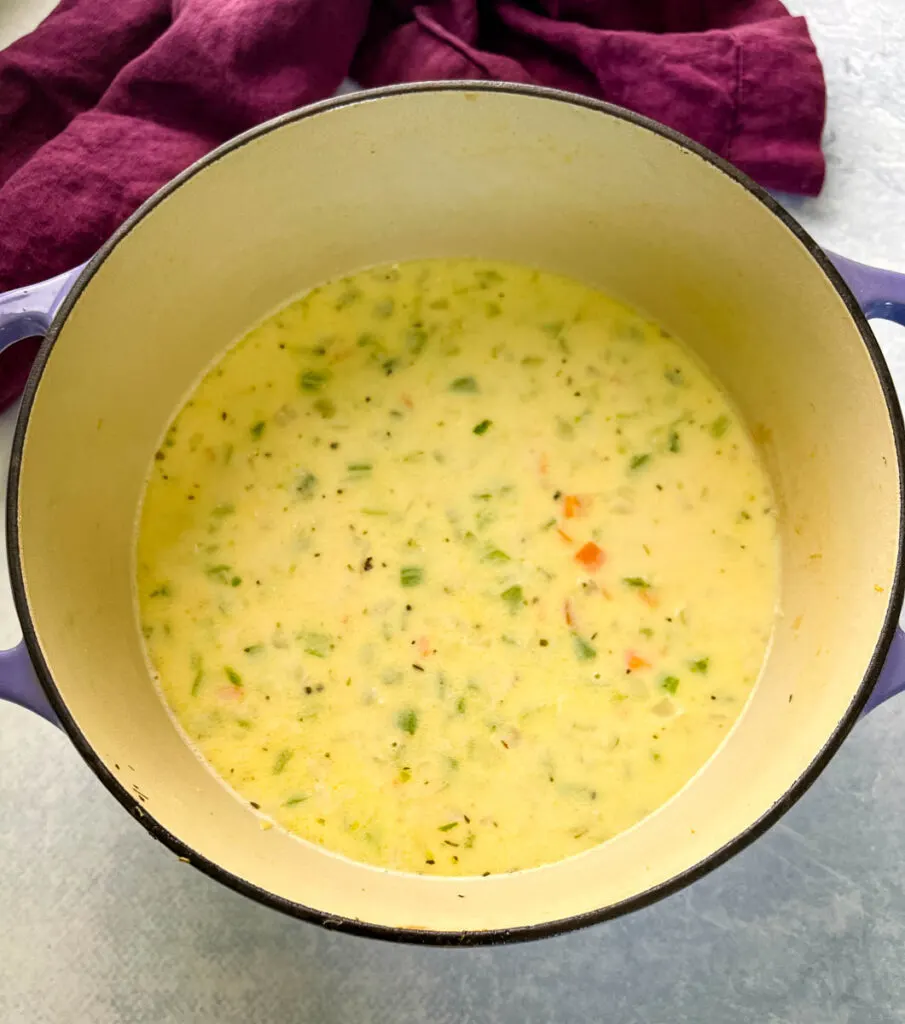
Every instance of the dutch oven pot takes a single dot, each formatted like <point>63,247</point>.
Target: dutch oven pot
<point>503,172</point>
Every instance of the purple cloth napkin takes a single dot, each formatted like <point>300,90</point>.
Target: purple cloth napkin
<point>103,103</point>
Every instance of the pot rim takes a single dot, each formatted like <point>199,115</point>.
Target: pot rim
<point>477,937</point>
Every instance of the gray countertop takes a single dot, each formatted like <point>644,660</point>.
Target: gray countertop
<point>98,923</point>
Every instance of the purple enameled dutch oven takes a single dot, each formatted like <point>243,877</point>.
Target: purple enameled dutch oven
<point>504,172</point>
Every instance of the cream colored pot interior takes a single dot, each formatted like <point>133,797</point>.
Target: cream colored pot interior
<point>511,176</point>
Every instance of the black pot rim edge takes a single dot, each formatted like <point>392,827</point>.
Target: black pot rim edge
<point>402,934</point>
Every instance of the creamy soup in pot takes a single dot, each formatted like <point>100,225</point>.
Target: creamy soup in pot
<point>456,567</point>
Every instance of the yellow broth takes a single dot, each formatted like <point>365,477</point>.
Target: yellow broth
<point>456,567</point>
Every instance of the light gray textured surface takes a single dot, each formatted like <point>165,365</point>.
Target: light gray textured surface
<point>99,924</point>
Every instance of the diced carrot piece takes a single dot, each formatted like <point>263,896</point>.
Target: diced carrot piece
<point>591,556</point>
<point>634,661</point>
<point>573,506</point>
<point>424,646</point>
<point>565,536</point>
<point>567,608</point>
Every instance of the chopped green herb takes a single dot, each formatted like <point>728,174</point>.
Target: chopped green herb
<point>670,684</point>
<point>253,649</point>
<point>415,340</point>
<point>383,310</point>
<point>306,484</point>
<point>294,800</point>
<point>313,380</point>
<point>513,596</point>
<point>411,576</point>
<point>350,295</point>
<point>554,328</point>
<point>464,385</point>
<point>448,827</point>
<point>483,427</point>
<point>564,429</point>
<point>674,375</point>
<point>236,581</point>
<point>225,508</point>
<point>488,277</point>
<point>374,512</point>
<point>218,571</point>
<point>549,524</point>
<point>646,631</point>
<point>258,429</point>
<point>316,644</point>
<point>674,443</point>
<point>161,591</point>
<point>583,650</point>
<point>326,407</point>
<point>198,669</point>
<point>637,461</point>
<point>359,469</point>
<point>232,675</point>
<point>407,720</point>
<point>495,555</point>
<point>282,759</point>
<point>636,581</point>
<point>460,707</point>
<point>719,426</point>
<point>700,665</point>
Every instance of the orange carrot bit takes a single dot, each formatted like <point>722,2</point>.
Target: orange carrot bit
<point>565,536</point>
<point>567,608</point>
<point>407,401</point>
<point>424,646</point>
<point>591,556</point>
<point>649,598</point>
<point>573,506</point>
<point>634,661</point>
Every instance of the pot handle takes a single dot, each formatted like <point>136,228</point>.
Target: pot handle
<point>892,675</point>
<point>881,295</point>
<point>19,683</point>
<point>27,313</point>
